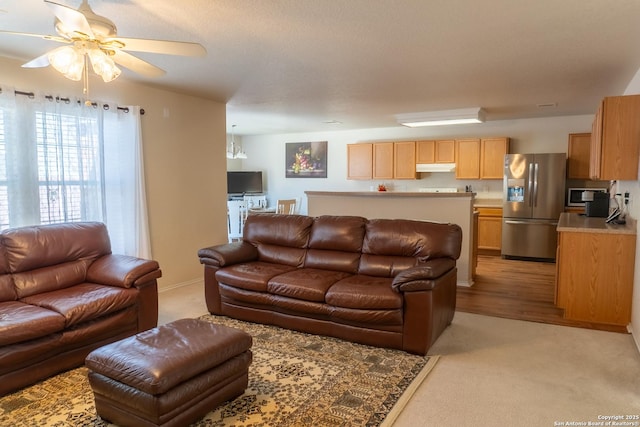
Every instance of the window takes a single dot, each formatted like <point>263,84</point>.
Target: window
<point>58,164</point>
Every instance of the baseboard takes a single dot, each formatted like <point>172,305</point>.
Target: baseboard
<point>465,283</point>
<point>181,285</point>
<point>636,338</point>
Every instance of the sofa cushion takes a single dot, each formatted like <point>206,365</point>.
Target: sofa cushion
<point>252,276</point>
<point>84,302</point>
<point>364,292</point>
<point>7,288</point>
<point>309,284</point>
<point>231,293</point>
<point>49,279</point>
<point>23,322</point>
<point>335,243</point>
<point>387,241</point>
<point>279,239</point>
<point>293,305</point>
<point>337,233</point>
<point>385,265</point>
<point>333,260</point>
<point>28,248</point>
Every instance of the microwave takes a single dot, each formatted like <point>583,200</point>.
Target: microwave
<point>574,195</point>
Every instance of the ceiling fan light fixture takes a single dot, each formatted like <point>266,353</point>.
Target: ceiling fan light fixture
<point>103,65</point>
<point>68,61</point>
<point>444,117</point>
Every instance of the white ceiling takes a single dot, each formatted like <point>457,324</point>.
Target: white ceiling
<point>291,65</point>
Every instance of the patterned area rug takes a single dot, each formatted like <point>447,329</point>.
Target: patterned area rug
<point>295,379</point>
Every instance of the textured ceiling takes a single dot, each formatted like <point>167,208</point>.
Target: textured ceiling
<point>292,65</point>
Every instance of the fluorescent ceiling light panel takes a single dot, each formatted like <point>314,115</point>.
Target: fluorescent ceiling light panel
<point>444,117</point>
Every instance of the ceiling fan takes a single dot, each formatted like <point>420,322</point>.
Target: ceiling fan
<point>91,38</point>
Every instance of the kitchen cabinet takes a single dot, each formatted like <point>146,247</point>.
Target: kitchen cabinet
<point>614,139</point>
<point>440,151</point>
<point>381,160</point>
<point>492,151</point>
<point>404,160</point>
<point>489,229</point>
<point>360,161</point>
<point>595,269</point>
<point>481,158</point>
<point>578,155</point>
<point>468,158</point>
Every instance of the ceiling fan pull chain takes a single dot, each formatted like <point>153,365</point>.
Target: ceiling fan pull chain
<point>85,77</point>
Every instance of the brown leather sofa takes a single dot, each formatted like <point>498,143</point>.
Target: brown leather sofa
<point>63,294</point>
<point>386,283</point>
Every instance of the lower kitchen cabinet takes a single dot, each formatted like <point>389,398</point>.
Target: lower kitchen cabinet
<point>489,229</point>
<point>595,268</point>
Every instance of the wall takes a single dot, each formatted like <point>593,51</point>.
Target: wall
<point>633,187</point>
<point>184,146</point>
<point>266,153</point>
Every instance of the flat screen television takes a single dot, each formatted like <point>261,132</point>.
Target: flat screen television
<point>241,182</point>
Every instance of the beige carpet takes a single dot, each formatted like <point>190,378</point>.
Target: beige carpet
<point>295,380</point>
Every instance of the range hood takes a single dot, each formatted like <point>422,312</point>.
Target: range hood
<point>435,167</point>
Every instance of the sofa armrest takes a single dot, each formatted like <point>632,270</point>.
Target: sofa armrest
<point>228,254</point>
<point>422,277</point>
<point>122,270</point>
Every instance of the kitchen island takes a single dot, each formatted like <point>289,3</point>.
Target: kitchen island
<point>455,208</point>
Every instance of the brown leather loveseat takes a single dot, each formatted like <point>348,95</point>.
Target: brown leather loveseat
<point>386,283</point>
<point>63,294</point>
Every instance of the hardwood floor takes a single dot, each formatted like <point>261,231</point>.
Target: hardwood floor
<point>515,289</point>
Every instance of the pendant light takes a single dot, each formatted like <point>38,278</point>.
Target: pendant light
<point>234,152</point>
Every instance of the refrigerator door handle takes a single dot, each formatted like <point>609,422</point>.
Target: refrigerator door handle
<point>530,187</point>
<point>535,185</point>
<point>514,222</point>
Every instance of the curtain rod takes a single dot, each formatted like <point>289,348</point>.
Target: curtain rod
<point>67,101</point>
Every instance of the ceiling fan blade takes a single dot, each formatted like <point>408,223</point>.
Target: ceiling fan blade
<point>160,46</point>
<point>39,62</point>
<point>73,20</point>
<point>41,36</point>
<point>137,65</point>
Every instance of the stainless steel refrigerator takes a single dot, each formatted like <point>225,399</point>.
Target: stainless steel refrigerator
<point>534,192</point>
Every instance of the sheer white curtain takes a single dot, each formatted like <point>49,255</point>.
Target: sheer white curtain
<point>63,161</point>
<point>126,203</point>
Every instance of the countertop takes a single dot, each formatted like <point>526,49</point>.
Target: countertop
<point>573,222</point>
<point>388,194</point>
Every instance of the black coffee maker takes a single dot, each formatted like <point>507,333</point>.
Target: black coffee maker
<point>598,206</point>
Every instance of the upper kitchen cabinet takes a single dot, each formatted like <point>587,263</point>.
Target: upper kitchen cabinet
<point>578,155</point>
<point>468,158</point>
<point>383,165</point>
<point>481,158</point>
<point>492,151</point>
<point>381,160</point>
<point>360,161</point>
<point>615,139</point>
<point>441,151</point>
<point>404,160</point>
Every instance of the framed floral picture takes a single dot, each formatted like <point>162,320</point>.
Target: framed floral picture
<point>306,159</point>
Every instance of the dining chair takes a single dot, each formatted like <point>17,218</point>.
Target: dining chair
<point>286,206</point>
<point>255,202</point>
<point>236,214</point>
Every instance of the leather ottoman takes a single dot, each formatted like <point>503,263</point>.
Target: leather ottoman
<point>171,375</point>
